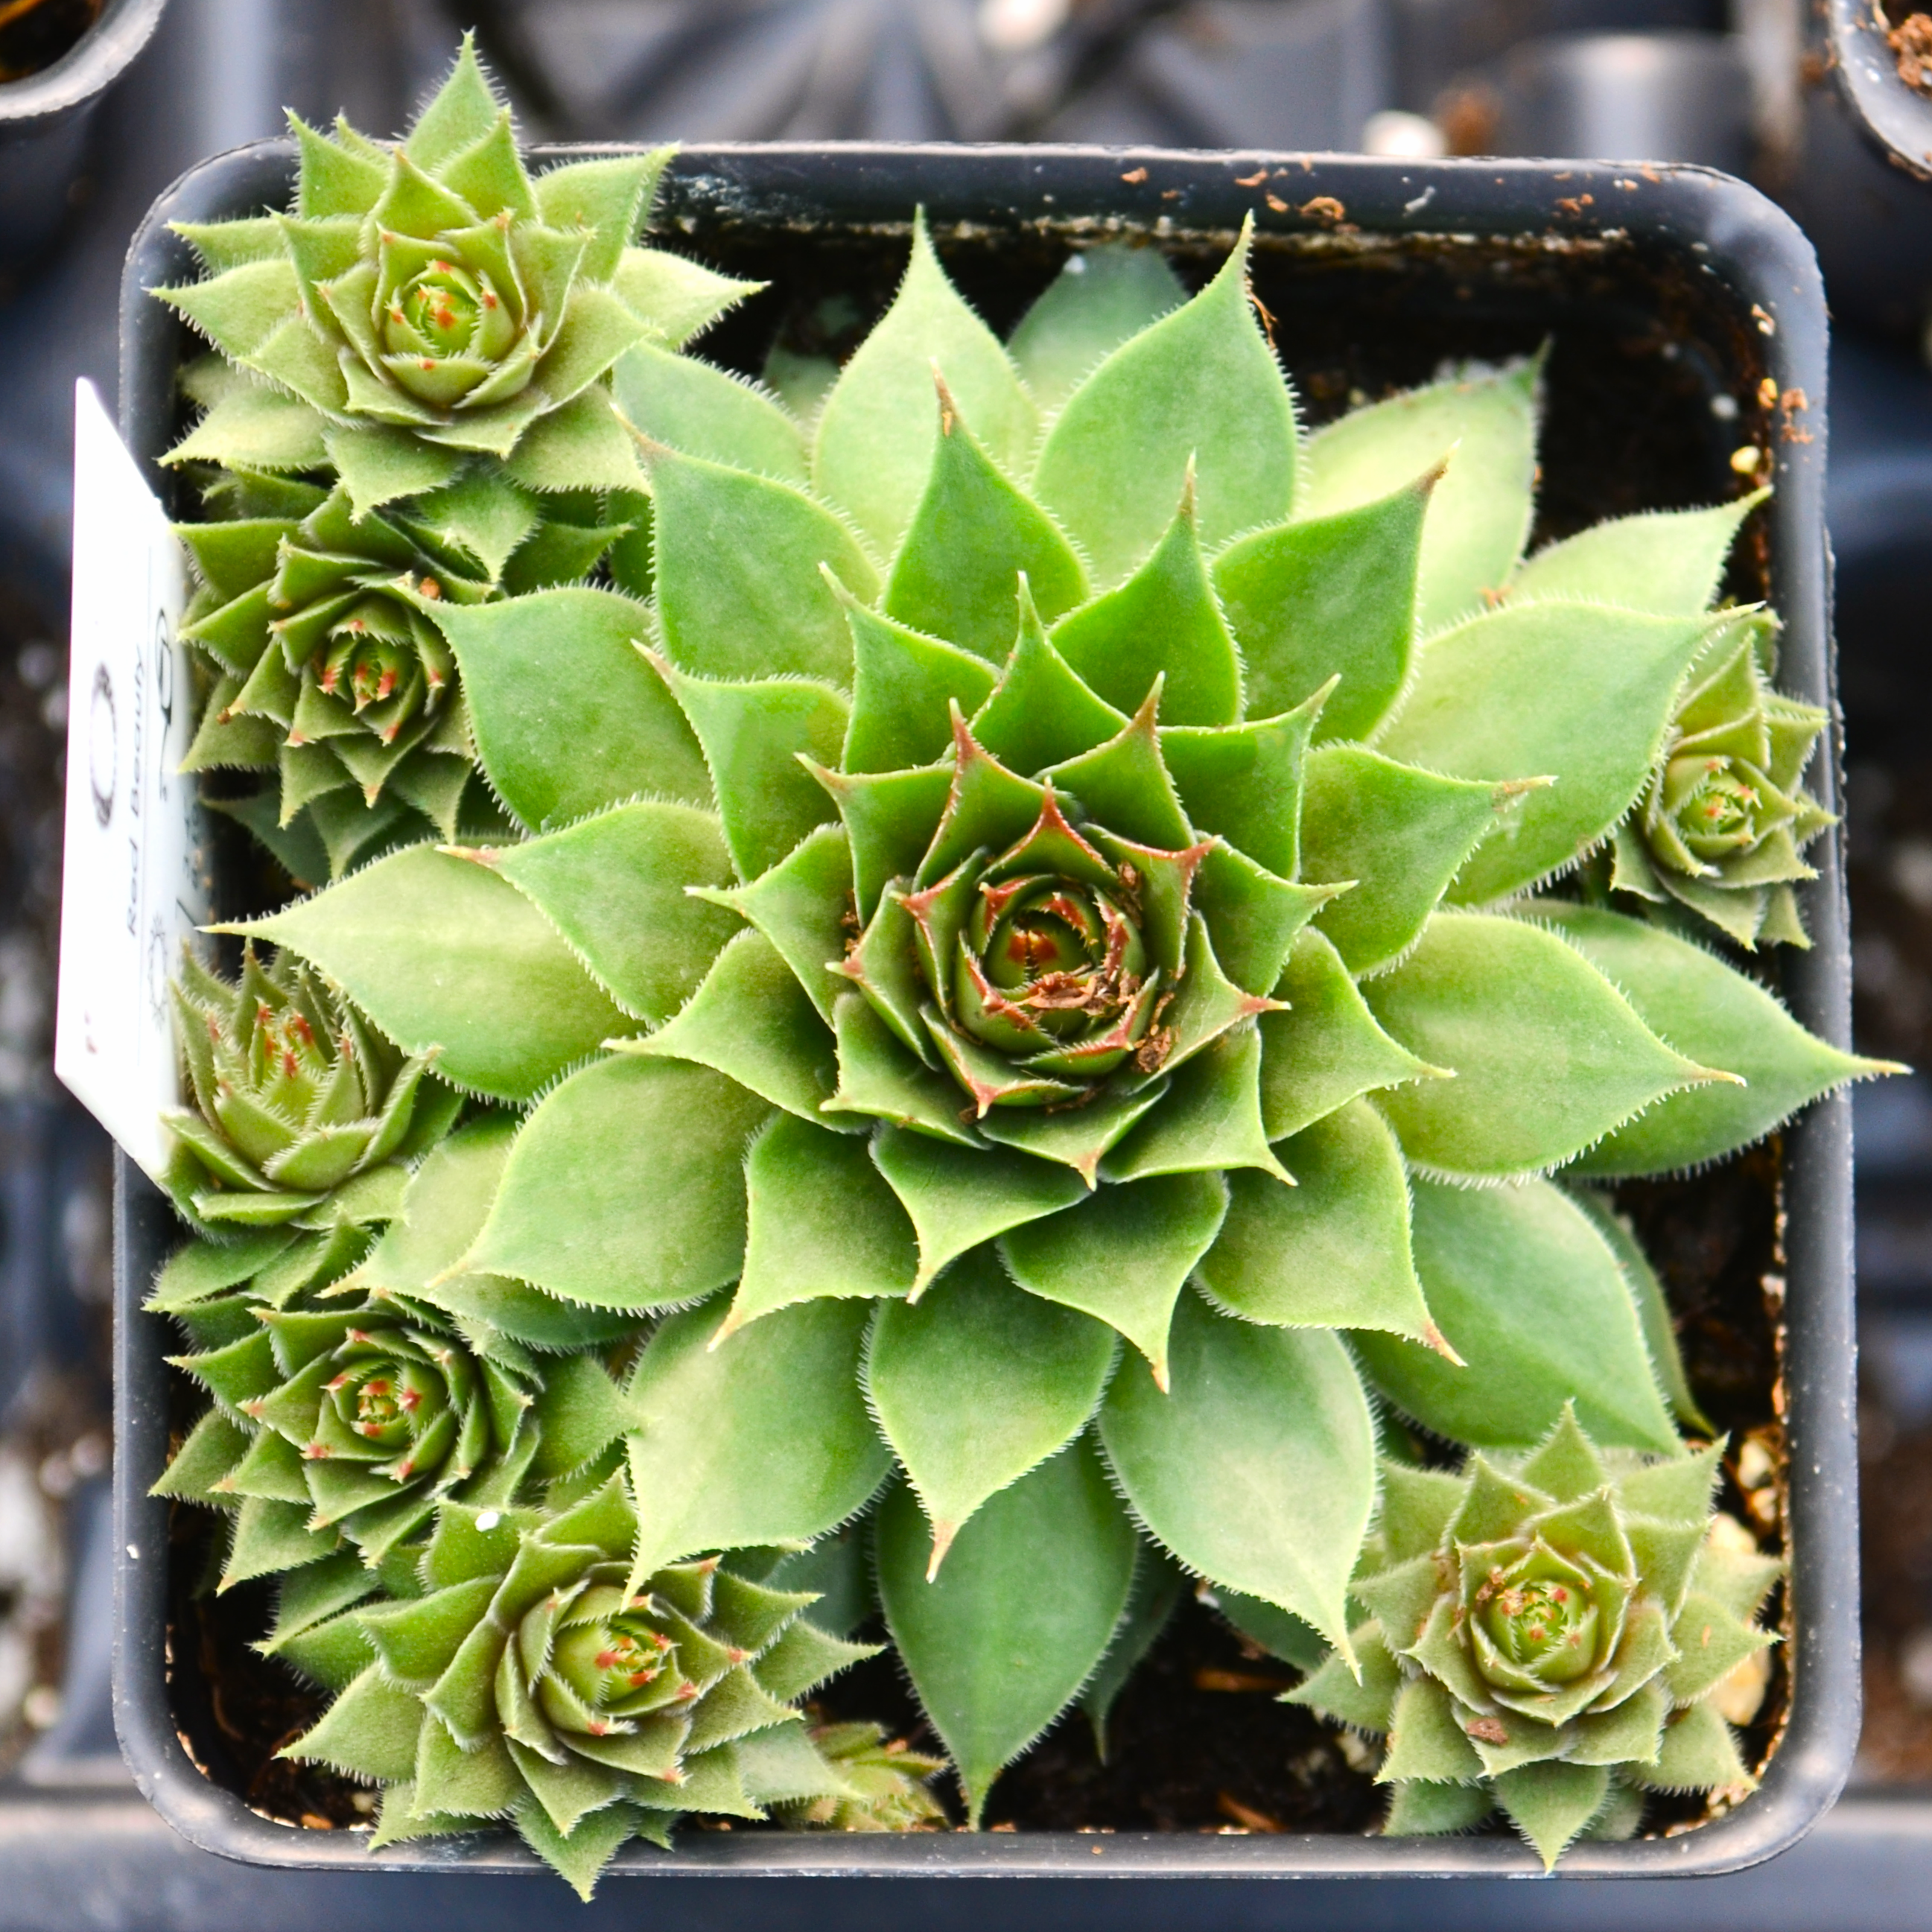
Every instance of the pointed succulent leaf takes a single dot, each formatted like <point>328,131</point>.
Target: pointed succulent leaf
<point>799,905</point>
<point>626,1190</point>
<point>822,1222</point>
<point>617,886</point>
<point>754,736</point>
<point>1275,1415</point>
<point>752,1021</point>
<point>978,1383</point>
<point>1551,1804</point>
<point>1041,711</point>
<point>1200,385</point>
<point>1244,783</point>
<point>1479,514</point>
<point>1570,690</point>
<point>1707,1009</point>
<point>960,1196</point>
<point>1103,297</point>
<point>1327,1047</point>
<point>876,432</point>
<point>1328,596</point>
<point>688,405</point>
<point>764,1439</point>
<point>1538,1078</point>
<point>569,718</point>
<point>1401,834</point>
<point>1367,1703</point>
<point>1164,622</point>
<point>741,588</point>
<point>994,1657</point>
<point>1667,561</point>
<point>903,686</point>
<point>1333,1251</point>
<point>1124,1254</point>
<point>507,1007</point>
<point>1494,1262</point>
<point>679,299</point>
<point>1698,1752</point>
<point>973,535</point>
<point>369,1732</point>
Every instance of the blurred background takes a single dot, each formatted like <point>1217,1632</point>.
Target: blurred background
<point>86,141</point>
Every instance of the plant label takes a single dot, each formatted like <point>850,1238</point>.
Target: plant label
<point>134,884</point>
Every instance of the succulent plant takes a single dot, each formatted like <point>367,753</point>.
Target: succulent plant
<point>321,673</point>
<point>1548,1634</point>
<point>1724,825</point>
<point>513,1669</point>
<point>1041,888</point>
<point>429,316</point>
<point>888,1783</point>
<point>304,1115</point>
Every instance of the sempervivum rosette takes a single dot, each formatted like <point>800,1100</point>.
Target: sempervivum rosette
<point>515,1674</point>
<point>1550,1635</point>
<point>1008,943</point>
<point>1724,825</point>
<point>427,303</point>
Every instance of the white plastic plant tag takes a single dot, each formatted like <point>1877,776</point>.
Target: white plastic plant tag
<point>133,887</point>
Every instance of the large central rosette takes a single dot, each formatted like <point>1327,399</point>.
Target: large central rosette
<point>1048,977</point>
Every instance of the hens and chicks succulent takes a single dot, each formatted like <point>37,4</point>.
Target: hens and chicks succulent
<point>968,962</point>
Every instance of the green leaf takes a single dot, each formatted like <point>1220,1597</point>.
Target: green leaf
<point>1667,561</point>
<point>879,1076</point>
<point>679,299</point>
<point>1568,690</point>
<point>1703,1008</point>
<point>877,431</point>
<point>617,887</point>
<point>1550,1804</point>
<point>689,406</point>
<point>764,1439</point>
<point>752,1021</point>
<point>1124,1253</point>
<point>1698,1753</point>
<point>823,1221</point>
<point>741,591</point>
<point>995,1657</point>
<point>447,958</point>
<point>800,906</point>
<point>904,685</point>
<point>1533,1301</point>
<point>1327,1047</point>
<point>1327,597</point>
<point>1426,1741</point>
<point>1209,1120</point>
<point>1275,1417</point>
<point>1200,385</point>
<point>973,535</point>
<point>369,1732</point>
<point>1124,785</point>
<point>1332,1252</point>
<point>568,718</point>
<point>626,1190</point>
<point>1103,297</point>
<point>1158,1584</point>
<point>377,464</point>
<point>1653,1310</point>
<point>1283,1635</point>
<point>1479,515</point>
<point>1401,834</point>
<point>461,112</point>
<point>888,819</point>
<point>753,735</point>
<point>977,1384</point>
<point>958,1197</point>
<point>1163,623</point>
<point>1244,783</point>
<point>261,429</point>
<point>1541,1073</point>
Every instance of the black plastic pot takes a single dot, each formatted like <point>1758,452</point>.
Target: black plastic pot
<point>1673,297</point>
<point>44,122</point>
<point>1894,118</point>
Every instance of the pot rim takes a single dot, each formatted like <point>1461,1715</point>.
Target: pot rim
<point>91,66</point>
<point>1728,230</point>
<point>1892,117</point>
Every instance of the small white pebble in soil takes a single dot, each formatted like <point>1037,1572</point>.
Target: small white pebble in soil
<point>1915,1667</point>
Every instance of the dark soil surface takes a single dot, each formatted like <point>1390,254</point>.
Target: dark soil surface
<point>34,34</point>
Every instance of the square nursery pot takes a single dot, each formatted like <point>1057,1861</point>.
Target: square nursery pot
<point>1687,319</point>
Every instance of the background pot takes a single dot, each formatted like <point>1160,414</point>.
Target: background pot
<point>44,122</point>
<point>1674,297</point>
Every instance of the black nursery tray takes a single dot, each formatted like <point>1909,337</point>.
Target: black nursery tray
<point>1685,318</point>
